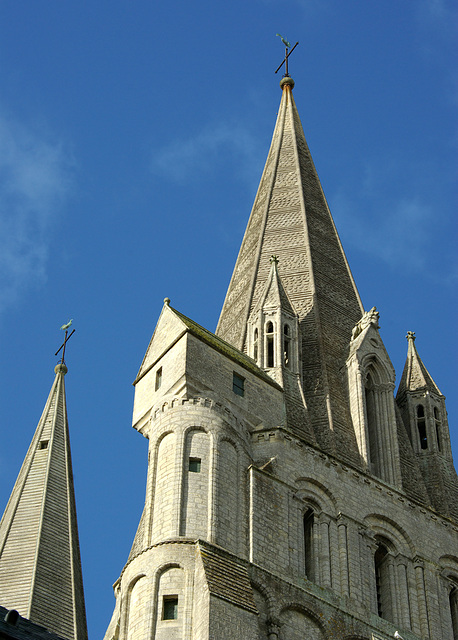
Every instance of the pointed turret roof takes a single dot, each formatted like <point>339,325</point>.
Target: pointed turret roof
<point>415,376</point>
<point>274,294</point>
<point>40,566</point>
<point>291,218</point>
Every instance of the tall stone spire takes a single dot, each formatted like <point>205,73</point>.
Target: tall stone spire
<point>291,219</point>
<point>40,566</point>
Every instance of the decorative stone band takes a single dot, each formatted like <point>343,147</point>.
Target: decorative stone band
<point>199,402</point>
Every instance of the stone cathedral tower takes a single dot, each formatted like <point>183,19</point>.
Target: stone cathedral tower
<point>289,494</point>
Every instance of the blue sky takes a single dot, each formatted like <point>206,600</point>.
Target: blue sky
<point>132,139</point>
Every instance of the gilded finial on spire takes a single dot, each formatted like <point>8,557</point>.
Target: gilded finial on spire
<point>285,59</point>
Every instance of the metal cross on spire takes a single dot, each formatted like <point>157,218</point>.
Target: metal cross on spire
<point>65,327</point>
<point>285,59</point>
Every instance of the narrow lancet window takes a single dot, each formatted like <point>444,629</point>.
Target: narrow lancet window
<point>255,345</point>
<point>421,426</point>
<point>158,379</point>
<point>372,431</point>
<point>286,346</point>
<point>309,556</point>
<point>437,421</point>
<point>270,344</point>
<point>382,582</point>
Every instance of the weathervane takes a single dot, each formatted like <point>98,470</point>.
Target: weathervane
<point>285,60</point>
<point>65,327</point>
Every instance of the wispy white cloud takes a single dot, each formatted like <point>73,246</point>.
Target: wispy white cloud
<point>34,182</point>
<point>436,20</point>
<point>436,9</point>
<point>389,230</point>
<point>196,157</point>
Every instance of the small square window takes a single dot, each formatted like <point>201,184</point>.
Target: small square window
<point>43,444</point>
<point>194,465</point>
<point>158,379</point>
<point>238,385</point>
<point>170,608</point>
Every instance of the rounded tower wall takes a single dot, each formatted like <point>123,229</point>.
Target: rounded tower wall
<point>155,591</point>
<point>199,452</point>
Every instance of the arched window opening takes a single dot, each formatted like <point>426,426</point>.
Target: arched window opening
<point>158,382</point>
<point>453,599</point>
<point>421,426</point>
<point>270,344</point>
<point>309,555</point>
<point>437,421</point>
<point>382,581</point>
<point>255,345</point>
<point>374,453</point>
<point>286,346</point>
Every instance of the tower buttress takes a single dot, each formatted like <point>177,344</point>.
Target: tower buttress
<point>371,379</point>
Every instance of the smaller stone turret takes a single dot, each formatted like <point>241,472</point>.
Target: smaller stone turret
<point>273,329</point>
<point>423,411</point>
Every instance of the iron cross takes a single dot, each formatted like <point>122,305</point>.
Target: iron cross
<point>63,346</point>
<point>285,59</point>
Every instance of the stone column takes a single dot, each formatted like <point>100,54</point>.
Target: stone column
<point>403,596</point>
<point>392,450</point>
<point>179,463</point>
<point>316,551</point>
<point>357,406</point>
<point>212,484</point>
<point>421,594</point>
<point>413,600</point>
<point>324,552</point>
<point>354,563</point>
<point>334,552</point>
<point>251,513</point>
<point>393,592</point>
<point>213,489</point>
<point>150,488</point>
<point>343,555</point>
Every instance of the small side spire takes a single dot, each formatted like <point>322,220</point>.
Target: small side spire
<point>423,410</point>
<point>40,566</point>
<point>415,375</point>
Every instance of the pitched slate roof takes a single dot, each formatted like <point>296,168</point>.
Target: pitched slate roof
<point>227,577</point>
<point>225,348</point>
<point>23,629</point>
